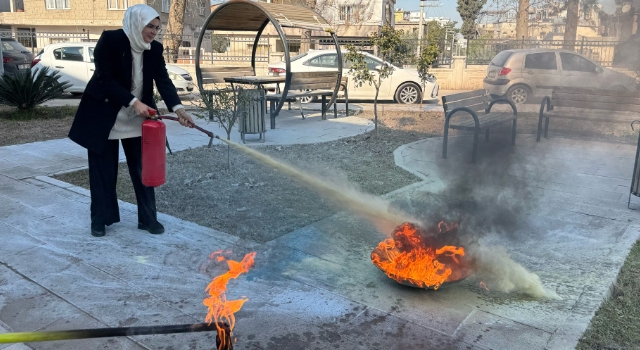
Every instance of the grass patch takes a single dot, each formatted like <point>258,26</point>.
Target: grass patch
<point>38,113</point>
<point>616,325</point>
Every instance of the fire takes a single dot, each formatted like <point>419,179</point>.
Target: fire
<point>412,258</point>
<point>222,310</point>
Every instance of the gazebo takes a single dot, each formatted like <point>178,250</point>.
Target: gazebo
<point>250,16</point>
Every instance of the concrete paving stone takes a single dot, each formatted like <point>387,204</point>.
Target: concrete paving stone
<point>15,214</point>
<point>15,241</point>
<point>16,347</point>
<point>21,172</point>
<point>69,210</point>
<point>26,306</point>
<point>8,164</point>
<point>490,331</point>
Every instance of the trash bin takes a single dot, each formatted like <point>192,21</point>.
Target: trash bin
<point>251,109</point>
<point>635,179</point>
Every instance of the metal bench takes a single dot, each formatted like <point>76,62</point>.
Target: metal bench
<point>476,104</point>
<point>216,75</point>
<point>590,105</point>
<point>307,84</point>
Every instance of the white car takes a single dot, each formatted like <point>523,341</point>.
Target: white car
<point>74,61</point>
<point>403,86</point>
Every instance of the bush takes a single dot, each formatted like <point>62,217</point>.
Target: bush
<point>30,88</point>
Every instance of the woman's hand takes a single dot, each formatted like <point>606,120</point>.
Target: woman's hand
<point>142,110</point>
<point>184,119</point>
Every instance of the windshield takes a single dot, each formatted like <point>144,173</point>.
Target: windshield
<point>297,57</point>
<point>501,58</point>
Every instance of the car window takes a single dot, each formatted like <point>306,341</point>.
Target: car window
<point>372,63</point>
<point>544,60</point>
<point>501,58</point>
<point>73,53</point>
<point>577,63</point>
<point>91,59</point>
<point>324,61</point>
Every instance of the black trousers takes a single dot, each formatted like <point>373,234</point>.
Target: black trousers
<point>103,176</point>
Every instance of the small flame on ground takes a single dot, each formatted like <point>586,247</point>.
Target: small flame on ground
<point>483,285</point>
<point>408,257</point>
<point>222,310</point>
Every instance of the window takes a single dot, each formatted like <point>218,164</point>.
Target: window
<point>324,61</point>
<point>69,54</point>
<point>352,13</point>
<point>372,63</point>
<point>57,4</point>
<point>201,5</point>
<point>577,63</point>
<point>500,59</point>
<point>117,4</point>
<point>91,55</point>
<point>166,4</point>
<point>546,60</point>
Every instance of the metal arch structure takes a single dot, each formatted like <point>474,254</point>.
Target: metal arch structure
<point>246,15</point>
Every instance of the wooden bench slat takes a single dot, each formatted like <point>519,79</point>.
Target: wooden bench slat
<point>477,106</point>
<point>463,96</point>
<point>484,120</point>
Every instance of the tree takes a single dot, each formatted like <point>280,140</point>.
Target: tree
<point>390,48</point>
<point>571,25</point>
<point>469,11</point>
<point>173,36</point>
<point>522,20</point>
<point>219,43</point>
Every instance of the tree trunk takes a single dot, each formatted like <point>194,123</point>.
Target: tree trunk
<point>173,36</point>
<point>571,26</point>
<point>375,111</point>
<point>522,20</point>
<point>305,41</point>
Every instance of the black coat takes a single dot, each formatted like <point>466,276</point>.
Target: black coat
<point>110,88</point>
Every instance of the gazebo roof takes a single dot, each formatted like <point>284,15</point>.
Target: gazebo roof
<point>244,15</point>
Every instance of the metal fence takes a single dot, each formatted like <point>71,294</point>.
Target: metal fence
<point>35,41</point>
<point>482,51</point>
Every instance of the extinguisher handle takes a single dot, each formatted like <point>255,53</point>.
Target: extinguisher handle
<point>209,133</point>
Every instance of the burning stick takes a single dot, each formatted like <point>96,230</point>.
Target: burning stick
<point>27,337</point>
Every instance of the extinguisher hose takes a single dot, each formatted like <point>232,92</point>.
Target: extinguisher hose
<point>209,133</point>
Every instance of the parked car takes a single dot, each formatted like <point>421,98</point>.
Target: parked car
<point>74,61</point>
<point>521,74</point>
<point>403,85</point>
<point>15,57</point>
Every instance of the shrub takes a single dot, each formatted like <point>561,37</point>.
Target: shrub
<point>30,88</point>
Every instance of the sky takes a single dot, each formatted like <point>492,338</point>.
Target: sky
<point>448,8</point>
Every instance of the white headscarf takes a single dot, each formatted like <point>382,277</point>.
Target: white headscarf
<point>135,19</point>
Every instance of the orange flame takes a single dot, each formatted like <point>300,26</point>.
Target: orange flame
<point>483,285</point>
<point>408,257</point>
<point>220,309</point>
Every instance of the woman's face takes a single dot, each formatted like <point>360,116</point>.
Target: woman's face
<point>151,30</point>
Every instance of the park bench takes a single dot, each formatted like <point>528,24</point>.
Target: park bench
<point>309,84</point>
<point>216,75</point>
<point>608,106</point>
<point>475,106</point>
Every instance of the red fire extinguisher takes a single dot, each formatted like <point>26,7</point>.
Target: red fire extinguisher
<point>154,158</point>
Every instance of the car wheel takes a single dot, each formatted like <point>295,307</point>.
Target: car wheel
<point>307,99</point>
<point>519,94</point>
<point>408,93</point>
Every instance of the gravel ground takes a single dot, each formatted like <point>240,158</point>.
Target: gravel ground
<point>47,124</point>
<point>258,203</point>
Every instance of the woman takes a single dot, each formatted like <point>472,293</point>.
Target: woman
<point>114,105</point>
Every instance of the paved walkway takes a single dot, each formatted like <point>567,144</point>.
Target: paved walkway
<point>315,288</point>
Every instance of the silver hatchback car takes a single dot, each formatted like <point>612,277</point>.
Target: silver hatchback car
<point>521,74</point>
